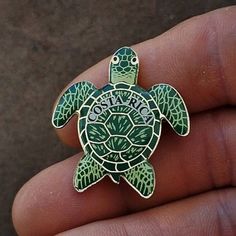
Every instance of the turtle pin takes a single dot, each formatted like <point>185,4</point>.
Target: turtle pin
<point>119,125</point>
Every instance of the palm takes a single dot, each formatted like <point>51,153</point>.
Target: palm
<point>199,60</point>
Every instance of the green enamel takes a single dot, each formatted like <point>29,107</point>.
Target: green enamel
<point>146,95</point>
<point>152,105</point>
<point>84,138</point>
<point>124,69</point>
<point>140,135</point>
<point>156,113</point>
<point>172,107</point>
<point>120,124</point>
<point>82,123</point>
<point>122,167</point>
<point>84,112</point>
<point>153,142</point>
<point>103,117</point>
<point>147,152</point>
<point>122,86</point>
<point>70,102</point>
<point>97,132</point>
<point>122,93</point>
<point>142,179</point>
<point>121,109</point>
<point>117,143</point>
<point>90,101</point>
<point>97,158</point>
<point>136,118</point>
<point>100,149</point>
<point>109,166</point>
<point>87,173</point>
<point>132,152</point>
<point>138,89</point>
<point>115,177</point>
<point>108,87</point>
<point>96,93</point>
<point>136,160</point>
<point>157,127</point>
<point>113,157</point>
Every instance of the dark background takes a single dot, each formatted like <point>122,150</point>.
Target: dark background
<point>43,46</point>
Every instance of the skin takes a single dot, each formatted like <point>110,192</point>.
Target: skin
<point>196,175</point>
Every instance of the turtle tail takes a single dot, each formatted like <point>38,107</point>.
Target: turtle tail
<point>71,101</point>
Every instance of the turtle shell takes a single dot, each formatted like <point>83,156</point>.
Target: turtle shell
<point>119,126</point>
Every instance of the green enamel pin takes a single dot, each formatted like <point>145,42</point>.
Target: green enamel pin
<point>119,125</point>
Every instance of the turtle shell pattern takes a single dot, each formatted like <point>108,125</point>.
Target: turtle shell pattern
<point>119,126</point>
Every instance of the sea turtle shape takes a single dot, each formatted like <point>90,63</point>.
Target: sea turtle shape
<point>119,125</point>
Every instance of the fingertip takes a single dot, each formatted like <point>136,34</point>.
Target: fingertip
<point>37,201</point>
<point>48,204</point>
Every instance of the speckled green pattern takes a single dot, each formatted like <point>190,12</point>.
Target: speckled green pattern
<point>142,179</point>
<point>124,66</point>
<point>120,124</point>
<point>87,173</point>
<point>121,136</point>
<point>172,107</point>
<point>71,101</point>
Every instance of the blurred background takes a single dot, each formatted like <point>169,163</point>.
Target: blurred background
<point>43,46</point>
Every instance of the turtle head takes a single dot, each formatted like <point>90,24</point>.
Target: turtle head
<point>124,66</point>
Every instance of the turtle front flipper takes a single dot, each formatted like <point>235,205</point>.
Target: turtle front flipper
<point>141,178</point>
<point>87,173</point>
<point>172,107</point>
<point>70,102</point>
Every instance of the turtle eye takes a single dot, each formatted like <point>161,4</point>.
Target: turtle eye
<point>115,60</point>
<point>134,60</point>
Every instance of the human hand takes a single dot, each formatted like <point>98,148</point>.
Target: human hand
<point>195,175</point>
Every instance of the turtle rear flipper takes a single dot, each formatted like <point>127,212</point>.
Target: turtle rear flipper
<point>87,173</point>
<point>172,107</point>
<point>70,102</point>
<point>141,178</point>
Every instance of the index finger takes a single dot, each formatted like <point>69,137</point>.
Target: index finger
<point>197,57</point>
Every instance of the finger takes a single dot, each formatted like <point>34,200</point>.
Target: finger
<point>212,213</point>
<point>197,57</point>
<point>203,161</point>
<point>49,200</point>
